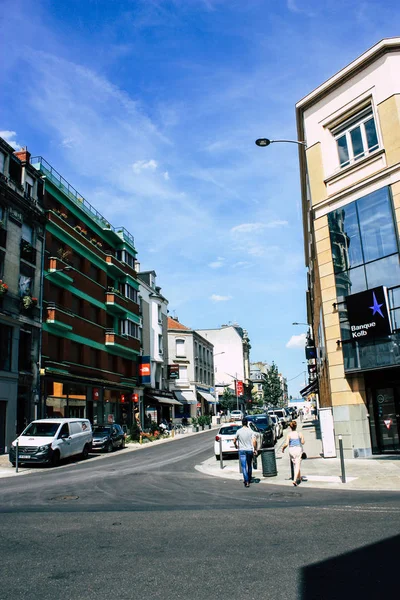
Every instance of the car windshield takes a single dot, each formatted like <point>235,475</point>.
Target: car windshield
<point>100,429</point>
<point>229,430</point>
<point>41,429</point>
<point>261,422</point>
<point>280,413</point>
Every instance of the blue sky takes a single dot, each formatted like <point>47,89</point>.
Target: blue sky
<point>150,108</point>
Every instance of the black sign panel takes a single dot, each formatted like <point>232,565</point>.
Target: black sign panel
<point>311,352</point>
<point>368,314</point>
<point>173,371</point>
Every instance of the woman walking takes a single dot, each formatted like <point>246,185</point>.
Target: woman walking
<point>295,441</point>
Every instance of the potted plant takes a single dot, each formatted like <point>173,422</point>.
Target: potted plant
<point>195,424</point>
<point>201,421</point>
<point>207,419</point>
<point>3,288</point>
<point>28,301</point>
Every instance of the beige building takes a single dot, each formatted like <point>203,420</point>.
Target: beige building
<point>350,180</point>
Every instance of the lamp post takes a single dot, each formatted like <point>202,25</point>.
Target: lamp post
<point>215,385</point>
<point>263,142</point>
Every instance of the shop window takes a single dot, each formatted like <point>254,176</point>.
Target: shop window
<point>5,347</point>
<point>356,137</point>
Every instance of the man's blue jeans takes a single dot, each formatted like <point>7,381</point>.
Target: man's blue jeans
<point>246,460</point>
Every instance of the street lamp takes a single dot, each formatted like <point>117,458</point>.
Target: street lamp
<point>262,142</point>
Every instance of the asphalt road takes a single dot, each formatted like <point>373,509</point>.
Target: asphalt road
<point>148,525</point>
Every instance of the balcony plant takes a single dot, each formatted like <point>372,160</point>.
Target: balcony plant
<point>3,288</point>
<point>28,302</point>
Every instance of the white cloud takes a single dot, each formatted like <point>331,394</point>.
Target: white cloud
<point>297,341</point>
<point>67,142</point>
<point>143,165</point>
<point>292,6</point>
<point>216,264</point>
<point>247,228</point>
<point>256,227</point>
<point>9,136</point>
<point>216,298</point>
<point>242,264</point>
<point>166,176</point>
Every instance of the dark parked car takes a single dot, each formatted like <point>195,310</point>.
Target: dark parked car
<point>265,426</point>
<point>108,437</point>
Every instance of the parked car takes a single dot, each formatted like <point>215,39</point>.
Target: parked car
<point>236,415</point>
<point>108,437</point>
<point>264,424</point>
<point>47,441</point>
<point>277,425</point>
<point>282,416</point>
<point>226,434</point>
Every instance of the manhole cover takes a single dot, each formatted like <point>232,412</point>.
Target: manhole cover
<point>66,497</point>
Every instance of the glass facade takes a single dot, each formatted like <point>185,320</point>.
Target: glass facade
<point>365,255</point>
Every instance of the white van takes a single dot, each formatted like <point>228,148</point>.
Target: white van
<point>50,440</point>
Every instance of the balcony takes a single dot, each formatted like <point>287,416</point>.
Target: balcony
<point>58,319</point>
<point>115,302</point>
<point>28,252</point>
<point>57,271</point>
<point>60,222</point>
<point>116,234</point>
<point>126,345</point>
<point>114,266</point>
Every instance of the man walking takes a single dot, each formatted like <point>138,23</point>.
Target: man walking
<point>246,443</point>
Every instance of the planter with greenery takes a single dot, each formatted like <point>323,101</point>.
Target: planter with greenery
<point>202,421</point>
<point>3,288</point>
<point>207,421</point>
<point>195,424</point>
<point>28,302</point>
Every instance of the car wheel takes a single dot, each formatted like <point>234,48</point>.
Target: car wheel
<point>110,447</point>
<point>217,457</point>
<point>13,464</point>
<point>85,452</point>
<point>55,459</point>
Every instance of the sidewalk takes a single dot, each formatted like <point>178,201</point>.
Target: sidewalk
<point>376,473</point>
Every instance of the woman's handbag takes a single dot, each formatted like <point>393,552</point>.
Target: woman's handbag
<point>303,455</point>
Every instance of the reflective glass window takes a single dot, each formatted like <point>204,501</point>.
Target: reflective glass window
<point>370,132</point>
<point>383,272</point>
<point>376,225</point>
<point>356,140</point>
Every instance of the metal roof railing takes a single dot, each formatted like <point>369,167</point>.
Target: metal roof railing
<point>39,163</point>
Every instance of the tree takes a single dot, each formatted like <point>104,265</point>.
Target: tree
<point>228,400</point>
<point>272,386</point>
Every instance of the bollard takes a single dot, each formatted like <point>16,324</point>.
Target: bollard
<point>343,476</point>
<point>16,456</point>
<point>172,432</point>
<point>140,439</point>
<point>221,462</point>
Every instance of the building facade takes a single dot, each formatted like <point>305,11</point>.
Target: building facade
<point>158,400</point>
<point>350,178</point>
<point>191,359</point>
<point>232,359</point>
<point>91,324</point>
<point>21,265</point>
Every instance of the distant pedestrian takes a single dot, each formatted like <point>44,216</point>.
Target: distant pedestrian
<point>295,441</point>
<point>246,443</point>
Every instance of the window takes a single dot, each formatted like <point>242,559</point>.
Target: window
<point>126,257</point>
<point>159,314</point>
<point>160,344</point>
<point>180,348</point>
<point>75,352</point>
<point>29,186</point>
<point>2,162</point>
<point>24,350</point>
<point>5,347</point>
<point>131,292</point>
<point>26,279</point>
<point>27,233</point>
<point>128,327</point>
<point>183,372</point>
<point>356,137</point>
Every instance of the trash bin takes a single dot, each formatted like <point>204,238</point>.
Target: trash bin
<point>268,462</point>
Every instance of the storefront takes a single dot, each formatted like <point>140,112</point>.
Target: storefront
<point>159,405</point>
<point>205,401</point>
<point>99,403</point>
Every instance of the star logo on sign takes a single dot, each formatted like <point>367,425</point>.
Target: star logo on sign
<point>376,308</point>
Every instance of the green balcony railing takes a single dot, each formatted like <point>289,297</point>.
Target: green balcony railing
<point>39,163</point>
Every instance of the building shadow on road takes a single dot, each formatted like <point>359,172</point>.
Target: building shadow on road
<point>368,572</point>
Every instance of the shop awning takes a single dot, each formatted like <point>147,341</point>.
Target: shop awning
<point>163,400</point>
<point>186,397</point>
<point>311,388</point>
<point>207,397</point>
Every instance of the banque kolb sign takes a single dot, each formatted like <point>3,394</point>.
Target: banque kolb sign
<point>368,314</point>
